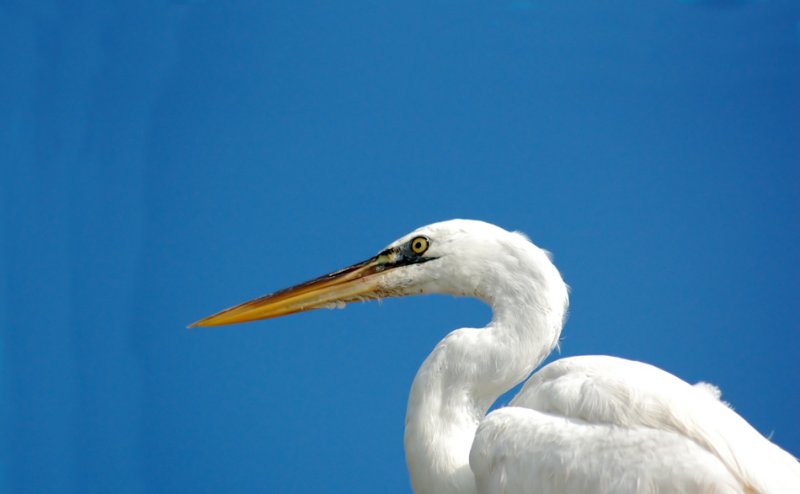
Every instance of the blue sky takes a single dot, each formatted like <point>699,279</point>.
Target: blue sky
<point>165,160</point>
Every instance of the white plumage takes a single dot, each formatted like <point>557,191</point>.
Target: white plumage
<point>608,425</point>
<point>580,425</point>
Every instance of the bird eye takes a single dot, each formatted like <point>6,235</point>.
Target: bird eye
<point>419,245</point>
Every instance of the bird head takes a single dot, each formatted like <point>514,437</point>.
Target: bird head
<point>456,257</point>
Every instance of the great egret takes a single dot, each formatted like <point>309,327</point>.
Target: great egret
<point>592,424</point>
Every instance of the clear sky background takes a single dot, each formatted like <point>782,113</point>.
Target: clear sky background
<point>163,160</point>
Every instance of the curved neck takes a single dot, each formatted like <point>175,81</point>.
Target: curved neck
<point>467,371</point>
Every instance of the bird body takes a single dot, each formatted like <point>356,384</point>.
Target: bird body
<point>582,425</point>
<point>602,424</point>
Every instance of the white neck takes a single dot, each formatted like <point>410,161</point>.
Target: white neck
<point>469,369</point>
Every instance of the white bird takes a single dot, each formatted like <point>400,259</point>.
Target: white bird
<point>591,424</point>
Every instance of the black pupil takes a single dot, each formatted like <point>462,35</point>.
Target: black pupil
<point>417,245</point>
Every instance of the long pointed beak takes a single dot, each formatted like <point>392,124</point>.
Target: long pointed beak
<point>362,281</point>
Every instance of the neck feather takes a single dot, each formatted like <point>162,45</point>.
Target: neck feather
<point>469,369</point>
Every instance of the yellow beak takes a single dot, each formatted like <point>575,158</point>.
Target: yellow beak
<point>362,281</point>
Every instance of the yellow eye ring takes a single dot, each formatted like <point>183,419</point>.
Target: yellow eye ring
<point>419,245</point>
